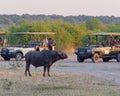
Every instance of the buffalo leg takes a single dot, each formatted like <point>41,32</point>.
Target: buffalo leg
<point>44,71</point>
<point>48,70</point>
<point>27,70</point>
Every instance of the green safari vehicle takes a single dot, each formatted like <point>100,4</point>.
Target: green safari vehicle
<point>106,46</point>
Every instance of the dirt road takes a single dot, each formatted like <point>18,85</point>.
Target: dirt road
<point>107,70</point>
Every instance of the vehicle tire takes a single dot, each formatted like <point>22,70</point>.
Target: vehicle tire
<point>95,58</point>
<point>18,56</point>
<point>118,57</point>
<point>79,59</point>
<point>6,58</point>
<point>105,59</point>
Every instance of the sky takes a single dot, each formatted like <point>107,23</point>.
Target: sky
<point>61,7</point>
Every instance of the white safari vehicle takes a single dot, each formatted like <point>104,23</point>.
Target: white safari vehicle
<point>18,52</point>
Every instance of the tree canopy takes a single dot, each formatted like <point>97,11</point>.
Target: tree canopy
<point>69,35</point>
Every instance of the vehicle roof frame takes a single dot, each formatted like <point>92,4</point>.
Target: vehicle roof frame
<point>105,34</point>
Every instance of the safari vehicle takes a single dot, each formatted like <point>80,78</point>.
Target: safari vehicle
<point>106,49</point>
<point>18,52</point>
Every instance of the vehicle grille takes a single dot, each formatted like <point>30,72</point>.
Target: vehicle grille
<point>82,51</point>
<point>4,50</point>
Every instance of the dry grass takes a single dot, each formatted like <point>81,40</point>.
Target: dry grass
<point>14,83</point>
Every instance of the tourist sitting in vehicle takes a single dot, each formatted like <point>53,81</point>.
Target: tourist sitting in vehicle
<point>45,42</point>
<point>32,42</point>
<point>37,42</point>
<point>116,40</point>
<point>51,44</point>
<point>109,41</point>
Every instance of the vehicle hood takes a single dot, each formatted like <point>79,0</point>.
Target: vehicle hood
<point>9,48</point>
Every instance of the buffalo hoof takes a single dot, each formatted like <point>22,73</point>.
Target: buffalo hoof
<point>30,75</point>
<point>49,75</point>
<point>43,75</point>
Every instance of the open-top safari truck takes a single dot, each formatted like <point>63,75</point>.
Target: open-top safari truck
<point>106,46</point>
<point>18,52</point>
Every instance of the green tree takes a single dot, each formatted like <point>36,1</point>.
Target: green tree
<point>94,24</point>
<point>80,31</point>
<point>113,27</point>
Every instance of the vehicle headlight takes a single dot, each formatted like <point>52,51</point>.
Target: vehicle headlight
<point>11,50</point>
<point>89,50</point>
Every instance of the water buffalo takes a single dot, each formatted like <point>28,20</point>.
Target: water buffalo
<point>43,58</point>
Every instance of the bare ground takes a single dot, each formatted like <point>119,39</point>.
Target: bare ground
<point>69,78</point>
